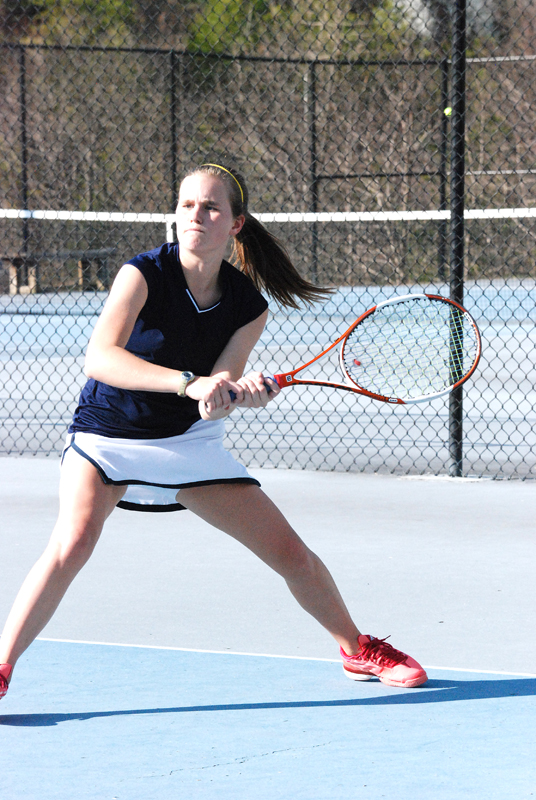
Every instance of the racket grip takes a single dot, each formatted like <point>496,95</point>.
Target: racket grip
<point>233,395</point>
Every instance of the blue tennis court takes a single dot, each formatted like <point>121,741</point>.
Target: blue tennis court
<point>178,666</point>
<point>108,721</point>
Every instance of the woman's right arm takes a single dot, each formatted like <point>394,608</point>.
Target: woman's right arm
<point>106,357</point>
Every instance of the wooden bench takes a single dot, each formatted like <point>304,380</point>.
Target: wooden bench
<point>92,269</point>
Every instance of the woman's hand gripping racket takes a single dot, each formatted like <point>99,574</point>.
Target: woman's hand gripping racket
<point>407,349</point>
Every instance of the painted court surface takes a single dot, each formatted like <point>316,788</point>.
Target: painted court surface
<point>121,698</point>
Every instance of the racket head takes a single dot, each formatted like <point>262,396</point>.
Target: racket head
<point>411,349</point>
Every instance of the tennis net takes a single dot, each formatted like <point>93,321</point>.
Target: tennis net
<point>48,309</point>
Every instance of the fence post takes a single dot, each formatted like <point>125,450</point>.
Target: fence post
<point>173,127</point>
<point>24,147</point>
<point>310,102</point>
<point>457,222</point>
<point>443,169</point>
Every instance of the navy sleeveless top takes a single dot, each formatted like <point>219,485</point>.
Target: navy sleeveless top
<point>173,332</point>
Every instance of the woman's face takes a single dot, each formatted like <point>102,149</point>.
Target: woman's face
<point>204,217</point>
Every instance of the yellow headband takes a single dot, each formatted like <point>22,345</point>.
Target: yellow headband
<point>229,173</point>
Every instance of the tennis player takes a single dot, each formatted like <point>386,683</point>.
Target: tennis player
<point>165,367</point>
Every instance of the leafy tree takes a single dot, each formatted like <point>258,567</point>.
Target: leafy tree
<point>303,28</point>
<point>98,22</point>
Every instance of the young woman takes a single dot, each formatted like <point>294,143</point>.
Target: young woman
<point>165,366</point>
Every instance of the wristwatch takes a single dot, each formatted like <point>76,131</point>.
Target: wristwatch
<point>186,378</point>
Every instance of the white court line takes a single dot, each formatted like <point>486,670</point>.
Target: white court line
<point>268,655</point>
<point>444,478</point>
<point>186,649</point>
<point>484,671</point>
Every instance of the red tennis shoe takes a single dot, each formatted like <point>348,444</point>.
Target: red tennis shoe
<point>5,672</point>
<point>389,665</point>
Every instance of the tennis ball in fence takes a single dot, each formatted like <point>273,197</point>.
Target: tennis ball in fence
<point>447,111</point>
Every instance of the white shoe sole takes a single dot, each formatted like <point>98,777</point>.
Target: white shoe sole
<point>356,676</point>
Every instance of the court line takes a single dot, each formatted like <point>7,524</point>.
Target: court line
<point>444,478</point>
<point>270,655</point>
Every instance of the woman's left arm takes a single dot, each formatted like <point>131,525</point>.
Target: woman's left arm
<point>214,400</point>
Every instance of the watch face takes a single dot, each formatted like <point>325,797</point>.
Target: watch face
<point>186,378</point>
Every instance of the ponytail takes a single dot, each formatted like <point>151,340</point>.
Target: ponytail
<point>259,254</point>
<point>263,258</point>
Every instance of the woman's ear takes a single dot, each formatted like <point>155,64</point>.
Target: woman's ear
<point>238,224</point>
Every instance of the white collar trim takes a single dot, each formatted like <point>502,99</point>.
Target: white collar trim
<point>201,310</point>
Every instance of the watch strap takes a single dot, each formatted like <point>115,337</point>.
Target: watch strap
<point>185,378</point>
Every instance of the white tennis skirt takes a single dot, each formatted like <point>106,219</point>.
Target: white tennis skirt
<point>154,470</point>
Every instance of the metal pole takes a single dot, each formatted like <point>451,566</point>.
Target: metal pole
<point>24,145</point>
<point>443,228</point>
<point>310,99</point>
<point>173,128</point>
<point>457,207</point>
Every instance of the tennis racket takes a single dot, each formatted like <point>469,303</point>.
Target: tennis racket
<point>408,349</point>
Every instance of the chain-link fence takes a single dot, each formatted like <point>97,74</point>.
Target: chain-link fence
<point>389,144</point>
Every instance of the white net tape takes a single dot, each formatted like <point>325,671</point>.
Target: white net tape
<point>282,216</point>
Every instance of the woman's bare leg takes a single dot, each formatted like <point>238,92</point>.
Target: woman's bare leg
<point>244,512</point>
<point>85,503</point>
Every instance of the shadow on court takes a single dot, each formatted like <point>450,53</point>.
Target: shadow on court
<point>145,723</point>
<point>437,691</point>
<point>174,710</point>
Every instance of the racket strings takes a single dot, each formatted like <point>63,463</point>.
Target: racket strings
<point>411,349</point>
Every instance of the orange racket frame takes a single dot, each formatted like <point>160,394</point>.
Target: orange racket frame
<point>285,379</point>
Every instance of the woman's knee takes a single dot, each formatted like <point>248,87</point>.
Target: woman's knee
<point>294,557</point>
<point>72,544</point>
<point>85,504</point>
